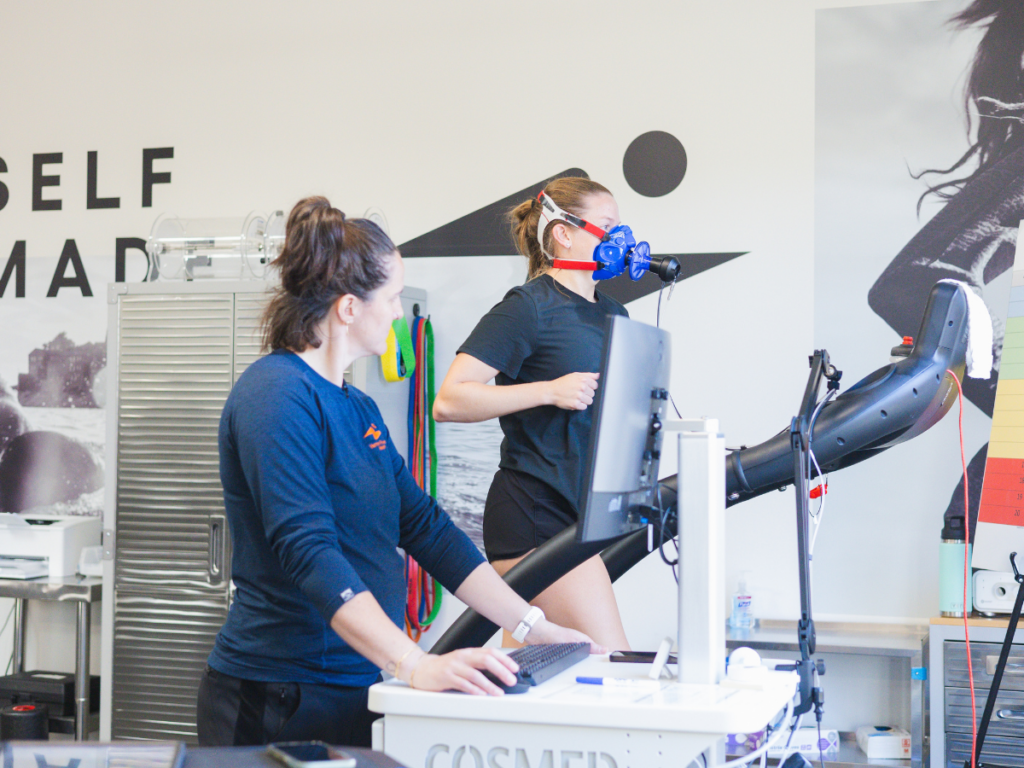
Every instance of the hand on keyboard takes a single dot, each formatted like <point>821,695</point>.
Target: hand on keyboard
<point>538,663</point>
<point>469,670</point>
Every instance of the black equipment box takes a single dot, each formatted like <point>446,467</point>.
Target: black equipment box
<point>57,689</point>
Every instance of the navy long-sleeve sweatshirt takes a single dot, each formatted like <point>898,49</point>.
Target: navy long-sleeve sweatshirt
<point>317,500</point>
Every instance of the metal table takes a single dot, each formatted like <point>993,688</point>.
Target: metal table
<point>82,590</point>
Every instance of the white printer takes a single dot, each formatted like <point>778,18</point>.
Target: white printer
<point>33,546</point>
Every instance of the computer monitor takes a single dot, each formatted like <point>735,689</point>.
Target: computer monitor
<point>620,481</point>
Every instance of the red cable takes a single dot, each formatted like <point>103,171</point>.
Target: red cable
<point>412,601</point>
<point>967,546</point>
<point>421,592</point>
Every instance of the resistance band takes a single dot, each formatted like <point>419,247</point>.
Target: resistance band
<point>399,361</point>
<point>424,593</point>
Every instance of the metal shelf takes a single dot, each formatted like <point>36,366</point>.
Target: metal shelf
<point>834,637</point>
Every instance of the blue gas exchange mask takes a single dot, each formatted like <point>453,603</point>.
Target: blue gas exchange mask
<point>617,251</point>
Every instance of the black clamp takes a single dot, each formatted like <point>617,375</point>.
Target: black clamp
<point>832,375</point>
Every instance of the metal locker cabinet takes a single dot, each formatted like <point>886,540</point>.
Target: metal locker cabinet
<point>175,349</point>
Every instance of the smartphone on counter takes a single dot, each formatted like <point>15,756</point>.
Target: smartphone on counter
<point>638,657</point>
<point>310,754</point>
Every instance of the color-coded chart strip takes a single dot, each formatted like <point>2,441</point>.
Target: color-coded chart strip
<point>1002,495</point>
<point>1000,529</point>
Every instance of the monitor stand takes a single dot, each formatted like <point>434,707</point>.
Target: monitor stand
<point>701,528</point>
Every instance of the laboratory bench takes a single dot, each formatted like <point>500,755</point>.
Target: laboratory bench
<point>563,722</point>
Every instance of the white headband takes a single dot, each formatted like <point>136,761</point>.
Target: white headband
<point>549,212</point>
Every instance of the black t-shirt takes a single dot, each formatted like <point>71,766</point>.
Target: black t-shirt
<point>541,331</point>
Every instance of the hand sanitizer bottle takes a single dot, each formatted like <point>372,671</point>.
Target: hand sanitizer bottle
<point>742,616</point>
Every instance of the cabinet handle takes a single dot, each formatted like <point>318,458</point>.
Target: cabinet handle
<point>218,538</point>
<point>1010,714</point>
<point>1014,665</point>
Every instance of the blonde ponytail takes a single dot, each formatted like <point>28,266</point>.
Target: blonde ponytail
<point>570,193</point>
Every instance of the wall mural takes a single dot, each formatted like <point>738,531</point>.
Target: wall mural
<point>973,237</point>
<point>920,126</point>
<point>53,370</point>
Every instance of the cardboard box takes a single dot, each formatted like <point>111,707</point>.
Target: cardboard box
<point>806,742</point>
<point>883,742</point>
<point>743,743</point>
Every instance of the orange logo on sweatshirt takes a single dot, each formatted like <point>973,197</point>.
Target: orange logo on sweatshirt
<point>375,433</point>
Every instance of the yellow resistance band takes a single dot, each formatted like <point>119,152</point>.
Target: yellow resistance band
<point>398,362</point>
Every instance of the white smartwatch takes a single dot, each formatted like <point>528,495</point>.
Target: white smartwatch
<point>532,616</point>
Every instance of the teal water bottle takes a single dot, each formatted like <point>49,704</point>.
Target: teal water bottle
<point>951,569</point>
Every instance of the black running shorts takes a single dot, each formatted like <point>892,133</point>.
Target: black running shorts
<point>521,513</point>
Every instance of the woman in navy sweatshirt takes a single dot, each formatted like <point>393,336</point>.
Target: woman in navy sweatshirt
<point>317,500</point>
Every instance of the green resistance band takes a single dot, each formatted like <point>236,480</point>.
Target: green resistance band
<point>428,358</point>
<point>438,594</point>
<point>407,359</point>
<point>428,335</point>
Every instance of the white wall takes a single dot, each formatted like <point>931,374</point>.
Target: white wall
<point>431,111</point>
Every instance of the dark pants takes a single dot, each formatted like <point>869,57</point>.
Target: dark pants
<point>235,712</point>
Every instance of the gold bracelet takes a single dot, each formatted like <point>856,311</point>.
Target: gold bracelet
<point>398,666</point>
<point>413,675</point>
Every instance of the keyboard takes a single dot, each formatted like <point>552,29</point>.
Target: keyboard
<point>538,663</point>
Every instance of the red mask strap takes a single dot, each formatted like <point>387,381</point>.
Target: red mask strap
<point>586,266</point>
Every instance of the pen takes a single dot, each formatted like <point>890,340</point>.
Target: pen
<point>623,682</point>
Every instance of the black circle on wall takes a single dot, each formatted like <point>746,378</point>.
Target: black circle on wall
<point>654,163</point>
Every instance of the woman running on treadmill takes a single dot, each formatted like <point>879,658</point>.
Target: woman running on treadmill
<point>542,346</point>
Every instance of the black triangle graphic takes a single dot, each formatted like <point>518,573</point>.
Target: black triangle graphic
<point>624,290</point>
<point>485,232</point>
